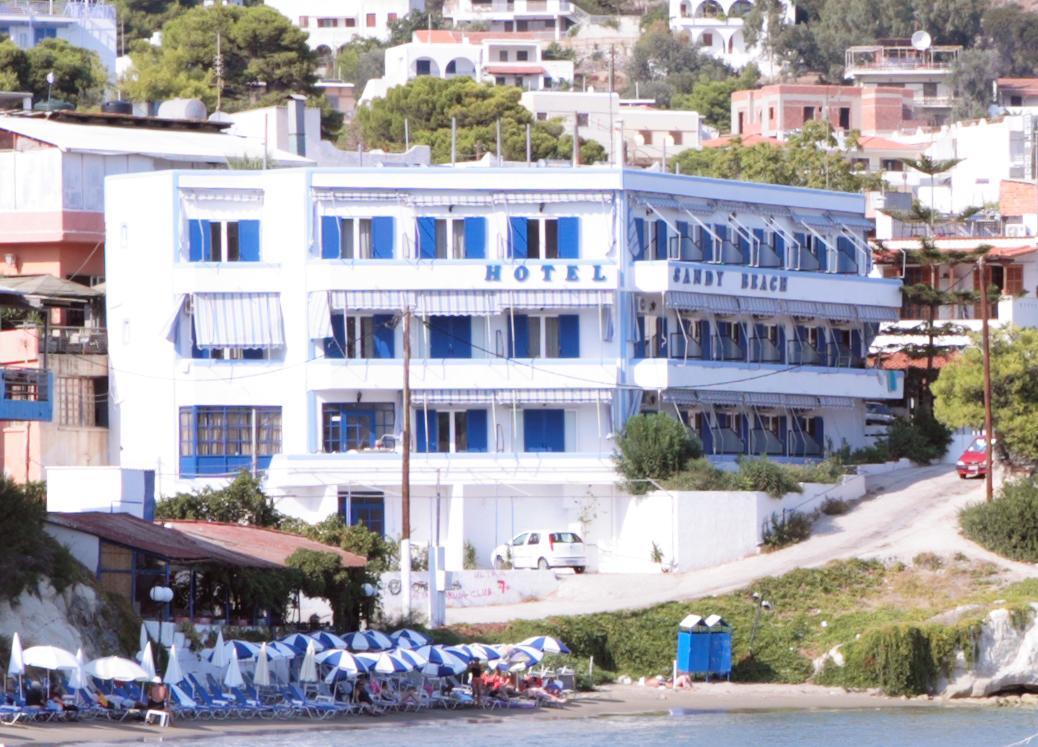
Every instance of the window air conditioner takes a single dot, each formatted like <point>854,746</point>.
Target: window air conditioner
<point>646,305</point>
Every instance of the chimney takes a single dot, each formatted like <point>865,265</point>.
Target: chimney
<point>296,108</point>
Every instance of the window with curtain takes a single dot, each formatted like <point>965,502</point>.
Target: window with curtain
<point>221,440</point>
<point>223,241</point>
<point>544,336</point>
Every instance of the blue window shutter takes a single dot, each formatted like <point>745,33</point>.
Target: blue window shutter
<point>331,237</point>
<point>856,342</point>
<point>820,346</point>
<point>554,430</point>
<point>783,437</point>
<point>477,425</point>
<point>249,240</point>
<point>427,238</point>
<point>639,341</point>
<point>200,241</point>
<point>569,336</point>
<point>683,240</point>
<point>382,237</point>
<point>782,343</point>
<point>335,346</point>
<point>461,336</point>
<point>475,238</point>
<point>780,247</point>
<point>517,238</point>
<point>661,239</point>
<point>533,430</point>
<point>383,334</point>
<point>569,238</point>
<point>639,239</point>
<point>519,341</point>
<point>439,336</point>
<point>706,436</point>
<point>704,338</point>
<point>820,431</point>
<point>425,441</point>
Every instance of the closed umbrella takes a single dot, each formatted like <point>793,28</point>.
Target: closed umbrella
<point>173,673</point>
<point>233,677</point>
<point>116,668</point>
<point>262,674</point>
<point>298,642</point>
<point>16,665</point>
<point>408,639</point>
<point>308,670</point>
<point>49,657</point>
<point>547,644</point>
<point>147,660</point>
<point>219,656</point>
<point>144,637</point>
<point>75,679</point>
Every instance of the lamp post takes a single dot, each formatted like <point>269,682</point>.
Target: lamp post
<point>50,84</point>
<point>986,352</point>
<point>761,604</point>
<point>163,595</point>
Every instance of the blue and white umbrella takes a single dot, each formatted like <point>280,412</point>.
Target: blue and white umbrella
<point>413,658</point>
<point>298,641</point>
<point>442,663</point>
<point>546,643</point>
<point>242,650</point>
<point>328,640</point>
<point>478,651</point>
<point>341,660</point>
<point>359,641</point>
<point>380,641</point>
<point>407,638</point>
<point>521,657</point>
<point>385,663</point>
<point>279,650</point>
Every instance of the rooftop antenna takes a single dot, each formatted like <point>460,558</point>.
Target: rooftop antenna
<point>921,41</point>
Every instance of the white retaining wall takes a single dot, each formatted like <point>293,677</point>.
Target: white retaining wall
<point>470,589</point>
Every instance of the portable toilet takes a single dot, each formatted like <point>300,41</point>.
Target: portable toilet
<point>693,645</point>
<point>719,634</point>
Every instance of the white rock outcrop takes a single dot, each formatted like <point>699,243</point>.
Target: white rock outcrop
<point>74,618</point>
<point>1006,658</point>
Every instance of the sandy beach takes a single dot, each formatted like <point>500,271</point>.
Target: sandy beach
<point>615,700</point>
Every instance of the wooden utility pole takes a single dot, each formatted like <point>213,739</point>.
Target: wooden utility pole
<point>986,347</point>
<point>405,477</point>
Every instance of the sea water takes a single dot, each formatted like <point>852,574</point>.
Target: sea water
<point>913,727</point>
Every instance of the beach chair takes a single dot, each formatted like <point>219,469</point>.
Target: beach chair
<point>319,707</point>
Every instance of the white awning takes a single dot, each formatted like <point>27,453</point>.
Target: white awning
<point>448,199</point>
<point>457,303</point>
<point>688,301</point>
<point>813,219</point>
<point>371,300</point>
<point>238,320</point>
<point>555,299</point>
<point>452,397</point>
<point>553,396</point>
<point>173,324</point>
<point>696,397</point>
<point>878,314</point>
<point>319,316</point>
<point>853,221</point>
<point>838,311</point>
<point>760,305</point>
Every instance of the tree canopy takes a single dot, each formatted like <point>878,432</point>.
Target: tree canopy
<point>664,63</point>
<point>959,392</point>
<point>240,502</point>
<point>712,99</point>
<point>807,159</point>
<point>428,104</point>
<point>79,76</point>
<point>139,19</point>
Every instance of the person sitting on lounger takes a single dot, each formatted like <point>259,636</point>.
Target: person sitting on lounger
<point>34,695</point>
<point>158,695</point>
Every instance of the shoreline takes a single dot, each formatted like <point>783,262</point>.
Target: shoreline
<point>609,701</point>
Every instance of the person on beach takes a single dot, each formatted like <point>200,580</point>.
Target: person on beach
<point>34,695</point>
<point>476,681</point>
<point>158,695</point>
<point>683,682</point>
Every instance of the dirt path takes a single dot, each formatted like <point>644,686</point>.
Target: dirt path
<point>907,512</point>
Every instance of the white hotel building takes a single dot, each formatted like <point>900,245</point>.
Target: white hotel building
<point>255,322</point>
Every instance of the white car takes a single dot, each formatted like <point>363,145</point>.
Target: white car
<point>540,548</point>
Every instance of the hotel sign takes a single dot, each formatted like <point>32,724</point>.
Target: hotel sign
<point>548,273</point>
<point>753,280</point>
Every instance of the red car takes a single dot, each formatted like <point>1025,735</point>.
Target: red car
<point>974,461</point>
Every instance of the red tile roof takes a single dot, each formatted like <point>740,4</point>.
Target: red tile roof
<point>129,531</point>
<point>1026,86</point>
<point>899,361</point>
<point>268,545</point>
<point>747,140</point>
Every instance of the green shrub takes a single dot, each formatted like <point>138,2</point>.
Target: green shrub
<point>700,474</point>
<point>788,529</point>
<point>653,446</point>
<point>875,454</point>
<point>1009,524</point>
<point>469,563</point>
<point>828,471</point>
<point>598,677</point>
<point>922,439</point>
<point>767,477</point>
<point>896,658</point>
<point>835,507</point>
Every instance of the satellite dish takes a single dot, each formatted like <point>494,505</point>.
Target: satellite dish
<point>921,41</point>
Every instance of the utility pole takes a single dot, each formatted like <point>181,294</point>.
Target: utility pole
<point>986,347</point>
<point>405,477</point>
<point>612,62</point>
<point>219,73</point>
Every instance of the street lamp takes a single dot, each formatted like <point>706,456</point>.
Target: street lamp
<point>163,595</point>
<point>50,84</point>
<point>761,604</point>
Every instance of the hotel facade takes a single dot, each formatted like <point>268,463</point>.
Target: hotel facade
<point>255,323</point>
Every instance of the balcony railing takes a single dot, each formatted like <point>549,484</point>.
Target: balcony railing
<point>803,354</point>
<point>727,441</point>
<point>685,348</point>
<point>877,57</point>
<point>67,8</point>
<point>728,349</point>
<point>841,356</point>
<point>26,394</point>
<point>763,350</point>
<point>77,340</point>
<point>763,441</point>
<point>802,444</point>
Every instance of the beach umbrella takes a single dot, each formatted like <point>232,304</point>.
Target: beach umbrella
<point>308,670</point>
<point>279,650</point>
<point>262,674</point>
<point>243,650</point>
<point>218,657</point>
<point>328,640</point>
<point>343,660</point>
<point>415,659</point>
<point>298,642</point>
<point>358,642</point>
<point>16,665</point>
<point>75,679</point>
<point>144,637</point>
<point>233,677</point>
<point>409,639</point>
<point>147,660</point>
<point>526,655</point>
<point>379,640</point>
<point>49,657</point>
<point>546,643</point>
<point>478,651</point>
<point>116,668</point>
<point>384,662</point>
<point>173,673</point>
<point>441,663</point>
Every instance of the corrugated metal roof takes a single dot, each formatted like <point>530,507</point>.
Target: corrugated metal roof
<point>260,543</point>
<point>171,145</point>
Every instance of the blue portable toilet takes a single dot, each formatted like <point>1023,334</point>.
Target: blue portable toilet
<point>720,636</point>
<point>693,646</point>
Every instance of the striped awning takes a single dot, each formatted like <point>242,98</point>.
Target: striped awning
<point>509,397</point>
<point>878,314</point>
<point>839,311</point>
<point>457,303</point>
<point>371,300</point>
<point>671,202</point>
<point>238,320</point>
<point>422,397</point>
<point>694,397</point>
<point>555,299</point>
<point>319,316</point>
<point>853,221</point>
<point>761,305</point>
<point>448,199</point>
<point>688,301</point>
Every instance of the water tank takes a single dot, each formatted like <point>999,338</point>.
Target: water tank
<point>182,109</point>
<point>117,107</point>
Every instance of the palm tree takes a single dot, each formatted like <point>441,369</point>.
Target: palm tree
<point>931,166</point>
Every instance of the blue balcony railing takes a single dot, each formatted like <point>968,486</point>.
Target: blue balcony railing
<point>26,394</point>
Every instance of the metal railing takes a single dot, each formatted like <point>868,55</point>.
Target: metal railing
<point>80,340</point>
<point>802,444</point>
<point>763,441</point>
<point>685,348</point>
<point>65,8</point>
<point>801,353</point>
<point>25,384</point>
<point>763,350</point>
<point>841,356</point>
<point>728,349</point>
<point>727,441</point>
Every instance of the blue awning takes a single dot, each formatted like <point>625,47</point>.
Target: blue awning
<point>878,314</point>
<point>813,219</point>
<point>853,221</point>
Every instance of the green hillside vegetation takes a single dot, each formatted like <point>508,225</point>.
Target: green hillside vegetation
<point>900,649</point>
